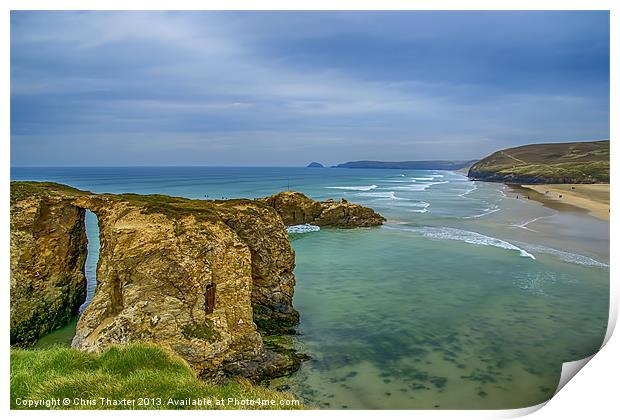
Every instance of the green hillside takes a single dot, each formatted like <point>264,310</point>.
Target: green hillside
<point>549,163</point>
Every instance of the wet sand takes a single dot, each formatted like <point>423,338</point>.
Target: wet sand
<point>591,197</point>
<point>545,221</point>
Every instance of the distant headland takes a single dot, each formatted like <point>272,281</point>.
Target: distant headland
<point>412,164</point>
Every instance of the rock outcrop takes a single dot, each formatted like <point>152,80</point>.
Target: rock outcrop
<point>297,209</point>
<point>203,278</point>
<point>272,262</point>
<point>48,250</point>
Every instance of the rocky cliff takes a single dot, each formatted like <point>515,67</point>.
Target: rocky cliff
<point>48,250</point>
<point>196,276</point>
<point>296,209</point>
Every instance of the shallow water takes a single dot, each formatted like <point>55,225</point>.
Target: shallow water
<point>391,325</point>
<point>59,337</point>
<point>466,298</point>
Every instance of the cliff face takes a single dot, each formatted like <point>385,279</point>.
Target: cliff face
<point>48,251</point>
<point>554,163</point>
<point>272,262</point>
<point>296,209</point>
<point>195,276</point>
<point>155,274</point>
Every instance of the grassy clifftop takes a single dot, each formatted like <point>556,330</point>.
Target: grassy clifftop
<point>551,163</point>
<point>137,376</point>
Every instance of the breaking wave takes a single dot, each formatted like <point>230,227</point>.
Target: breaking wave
<point>485,212</point>
<point>422,204</point>
<point>355,187</point>
<point>466,236</point>
<point>469,191</point>
<point>302,228</point>
<point>389,195</point>
<point>423,186</point>
<point>414,187</point>
<point>566,256</point>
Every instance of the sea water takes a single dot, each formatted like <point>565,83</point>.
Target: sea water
<point>466,298</point>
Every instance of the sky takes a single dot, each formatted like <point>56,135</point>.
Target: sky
<point>287,88</point>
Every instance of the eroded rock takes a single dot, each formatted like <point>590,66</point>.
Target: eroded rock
<point>296,209</point>
<point>48,251</point>
<point>195,276</point>
<point>272,261</point>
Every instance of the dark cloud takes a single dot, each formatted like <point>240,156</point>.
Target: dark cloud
<point>269,88</point>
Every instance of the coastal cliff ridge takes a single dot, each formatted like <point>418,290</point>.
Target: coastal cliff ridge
<point>206,279</point>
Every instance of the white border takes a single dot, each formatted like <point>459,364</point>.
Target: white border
<point>593,394</point>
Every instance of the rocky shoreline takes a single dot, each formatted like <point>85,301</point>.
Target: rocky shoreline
<point>206,279</point>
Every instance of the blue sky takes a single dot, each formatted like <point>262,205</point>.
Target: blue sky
<point>286,88</point>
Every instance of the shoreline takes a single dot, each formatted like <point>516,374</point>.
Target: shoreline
<point>593,198</point>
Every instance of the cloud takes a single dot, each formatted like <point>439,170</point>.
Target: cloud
<point>282,88</point>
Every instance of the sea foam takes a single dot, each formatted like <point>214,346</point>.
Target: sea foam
<point>466,236</point>
<point>355,187</point>
<point>302,228</point>
<point>414,187</point>
<point>422,204</point>
<point>485,212</point>
<point>388,195</point>
<point>565,256</point>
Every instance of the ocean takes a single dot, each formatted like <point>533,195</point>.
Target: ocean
<point>468,297</point>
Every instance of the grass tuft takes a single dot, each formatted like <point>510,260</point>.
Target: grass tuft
<point>131,373</point>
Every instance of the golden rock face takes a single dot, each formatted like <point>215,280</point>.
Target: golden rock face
<point>195,276</point>
<point>296,209</point>
<point>48,251</point>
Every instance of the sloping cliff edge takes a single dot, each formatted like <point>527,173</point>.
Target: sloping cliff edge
<point>550,163</point>
<point>202,278</point>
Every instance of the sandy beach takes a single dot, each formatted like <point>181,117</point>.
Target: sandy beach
<point>592,197</point>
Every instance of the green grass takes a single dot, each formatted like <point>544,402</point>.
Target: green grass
<point>202,210</point>
<point>21,190</point>
<point>137,372</point>
<point>598,170</point>
<point>579,162</point>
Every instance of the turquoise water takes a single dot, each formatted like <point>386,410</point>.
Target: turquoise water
<point>466,298</point>
<point>92,257</point>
